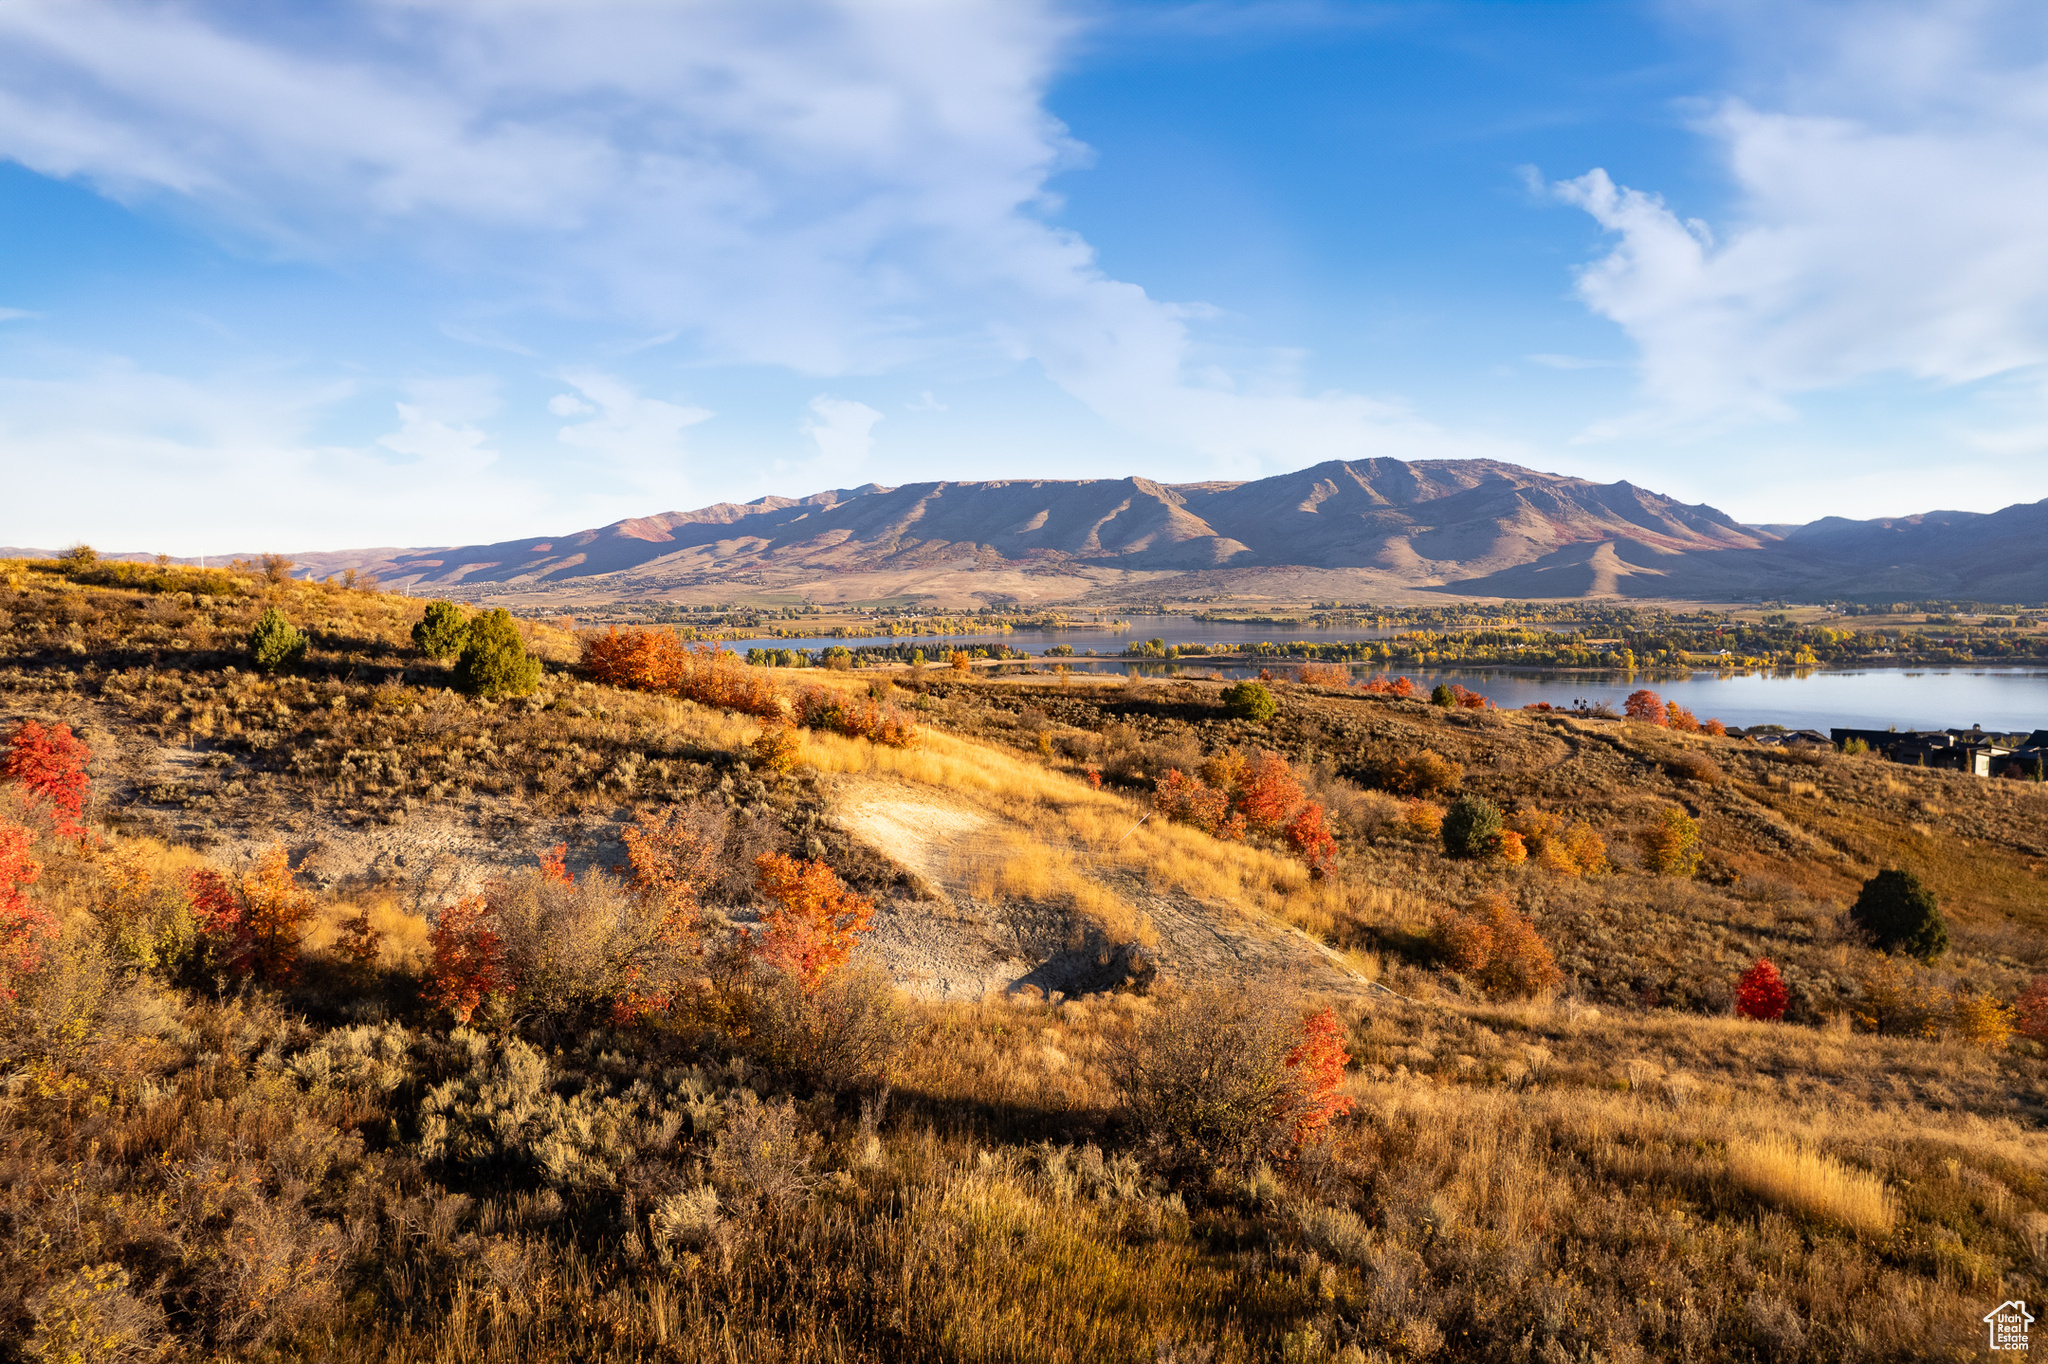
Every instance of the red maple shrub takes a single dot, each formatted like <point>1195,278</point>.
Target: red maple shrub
<point>1677,717</point>
<point>1646,706</point>
<point>49,766</point>
<point>252,927</point>
<point>1318,1062</point>
<point>1267,794</point>
<point>2031,1009</point>
<point>1190,800</point>
<point>24,924</point>
<point>1309,834</point>
<point>469,958</point>
<point>815,923</point>
<point>1761,993</point>
<point>1382,685</point>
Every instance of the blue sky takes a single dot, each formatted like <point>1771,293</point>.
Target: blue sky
<point>410,272</point>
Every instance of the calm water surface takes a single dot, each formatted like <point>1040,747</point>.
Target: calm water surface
<point>1999,699</point>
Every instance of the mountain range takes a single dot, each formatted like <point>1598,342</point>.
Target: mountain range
<point>1361,529</point>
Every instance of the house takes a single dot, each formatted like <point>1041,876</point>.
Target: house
<point>1971,750</point>
<point>2023,764</point>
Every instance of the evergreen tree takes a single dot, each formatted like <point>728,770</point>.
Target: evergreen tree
<point>1442,695</point>
<point>442,632</point>
<point>274,644</point>
<point>494,661</point>
<point>1472,827</point>
<point>1901,915</point>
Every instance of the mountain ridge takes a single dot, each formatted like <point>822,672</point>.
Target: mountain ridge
<point>1474,528</point>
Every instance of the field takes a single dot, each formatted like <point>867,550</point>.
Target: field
<point>688,1157</point>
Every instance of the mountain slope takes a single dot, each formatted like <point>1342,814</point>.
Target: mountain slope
<point>1361,529</point>
<point>1427,524</point>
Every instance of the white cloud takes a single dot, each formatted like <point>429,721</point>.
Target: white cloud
<point>16,314</point>
<point>1888,190</point>
<point>639,439</point>
<point>844,431</point>
<point>223,464</point>
<point>836,187</point>
<point>437,428</point>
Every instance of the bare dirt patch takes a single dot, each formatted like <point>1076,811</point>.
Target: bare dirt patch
<point>960,941</point>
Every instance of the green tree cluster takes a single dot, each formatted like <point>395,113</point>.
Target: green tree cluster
<point>1250,701</point>
<point>274,644</point>
<point>1901,915</point>
<point>493,662</point>
<point>442,632</point>
<point>1471,827</point>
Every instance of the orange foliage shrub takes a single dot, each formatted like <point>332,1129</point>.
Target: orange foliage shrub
<point>1324,675</point>
<point>254,926</point>
<point>1309,833</point>
<point>673,855</point>
<point>275,912</point>
<point>961,662</point>
<point>655,660</point>
<point>1267,794</point>
<point>1318,1062</point>
<point>1646,706</point>
<point>1496,946</point>
<point>1469,699</point>
<point>856,717</point>
<point>1424,817</point>
<point>1190,800</point>
<point>1575,851</point>
<point>469,960</point>
<point>1422,774</point>
<point>554,866</point>
<point>1679,718</point>
<point>815,923</point>
<point>1715,728</point>
<point>24,924</point>
<point>778,749</point>
<point>49,766</point>
<point>1509,849</point>
<point>645,660</point>
<point>1381,685</point>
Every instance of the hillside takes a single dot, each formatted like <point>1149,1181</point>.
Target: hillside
<point>639,1144</point>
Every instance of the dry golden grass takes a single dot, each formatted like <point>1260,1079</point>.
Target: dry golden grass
<point>1793,1176</point>
<point>404,944</point>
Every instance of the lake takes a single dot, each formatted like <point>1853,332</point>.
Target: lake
<point>2002,700</point>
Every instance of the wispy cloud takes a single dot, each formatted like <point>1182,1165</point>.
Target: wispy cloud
<point>832,187</point>
<point>844,431</point>
<point>1889,177</point>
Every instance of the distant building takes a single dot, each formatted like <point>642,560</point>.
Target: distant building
<point>1971,750</point>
